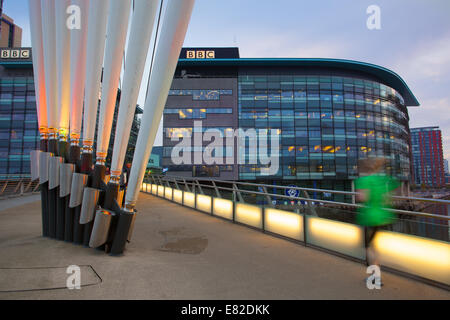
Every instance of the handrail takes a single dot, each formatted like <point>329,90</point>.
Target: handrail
<point>351,193</point>
<point>196,182</point>
<point>20,186</point>
<point>411,254</point>
<point>14,177</point>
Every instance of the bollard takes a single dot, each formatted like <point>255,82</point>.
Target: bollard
<point>79,181</point>
<point>65,175</point>
<point>100,230</point>
<point>88,207</point>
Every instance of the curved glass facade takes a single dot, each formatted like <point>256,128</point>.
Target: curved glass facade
<point>327,123</point>
<point>18,125</point>
<point>327,114</point>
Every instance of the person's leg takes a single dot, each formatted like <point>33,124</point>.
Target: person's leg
<point>371,250</point>
<point>369,234</point>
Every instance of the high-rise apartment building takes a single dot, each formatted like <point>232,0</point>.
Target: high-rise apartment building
<point>428,160</point>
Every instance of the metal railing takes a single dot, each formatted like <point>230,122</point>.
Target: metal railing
<point>424,258</point>
<point>199,183</point>
<point>17,187</point>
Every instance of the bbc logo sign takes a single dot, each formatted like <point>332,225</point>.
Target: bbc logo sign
<point>15,54</point>
<point>200,54</point>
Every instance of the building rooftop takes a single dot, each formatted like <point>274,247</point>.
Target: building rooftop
<point>384,75</point>
<point>424,128</point>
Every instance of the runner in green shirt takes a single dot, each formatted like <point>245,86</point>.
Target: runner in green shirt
<point>373,190</point>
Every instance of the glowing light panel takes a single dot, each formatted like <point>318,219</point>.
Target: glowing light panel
<point>427,258</point>
<point>338,236</point>
<point>178,196</point>
<point>189,199</point>
<point>161,191</point>
<point>168,193</point>
<point>223,208</point>
<point>204,203</point>
<point>284,223</point>
<point>249,215</point>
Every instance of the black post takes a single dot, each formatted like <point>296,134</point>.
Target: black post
<point>78,230</point>
<point>60,216</point>
<point>97,179</point>
<point>52,212</point>
<point>44,207</point>
<point>69,213</point>
<point>68,221</point>
<point>44,194</point>
<point>110,203</point>
<point>122,230</point>
<point>120,223</point>
<point>61,202</point>
<point>52,194</point>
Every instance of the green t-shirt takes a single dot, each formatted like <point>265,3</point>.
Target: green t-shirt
<point>379,186</point>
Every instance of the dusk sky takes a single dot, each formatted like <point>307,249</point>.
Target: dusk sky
<point>414,40</point>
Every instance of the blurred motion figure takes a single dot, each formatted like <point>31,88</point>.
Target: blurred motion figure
<point>373,189</point>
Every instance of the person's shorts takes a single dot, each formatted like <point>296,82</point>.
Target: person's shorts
<point>370,235</point>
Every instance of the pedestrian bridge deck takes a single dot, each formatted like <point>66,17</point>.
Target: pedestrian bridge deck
<point>180,253</point>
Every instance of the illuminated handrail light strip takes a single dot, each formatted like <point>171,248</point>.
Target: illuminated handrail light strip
<point>204,203</point>
<point>249,215</point>
<point>189,199</point>
<point>346,232</point>
<point>223,208</point>
<point>428,258</point>
<point>284,223</point>
<point>178,196</point>
<point>168,193</point>
<point>338,236</point>
<point>161,191</point>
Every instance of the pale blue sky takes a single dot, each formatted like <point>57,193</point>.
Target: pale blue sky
<point>414,39</point>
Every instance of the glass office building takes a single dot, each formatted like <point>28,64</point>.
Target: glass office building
<point>328,113</point>
<point>18,118</point>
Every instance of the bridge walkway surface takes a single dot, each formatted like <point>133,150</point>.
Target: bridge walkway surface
<point>180,253</point>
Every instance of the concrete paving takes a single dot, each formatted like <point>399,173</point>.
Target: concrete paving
<point>179,253</point>
<point>11,202</point>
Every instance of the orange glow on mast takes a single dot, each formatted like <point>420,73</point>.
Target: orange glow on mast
<point>41,101</point>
